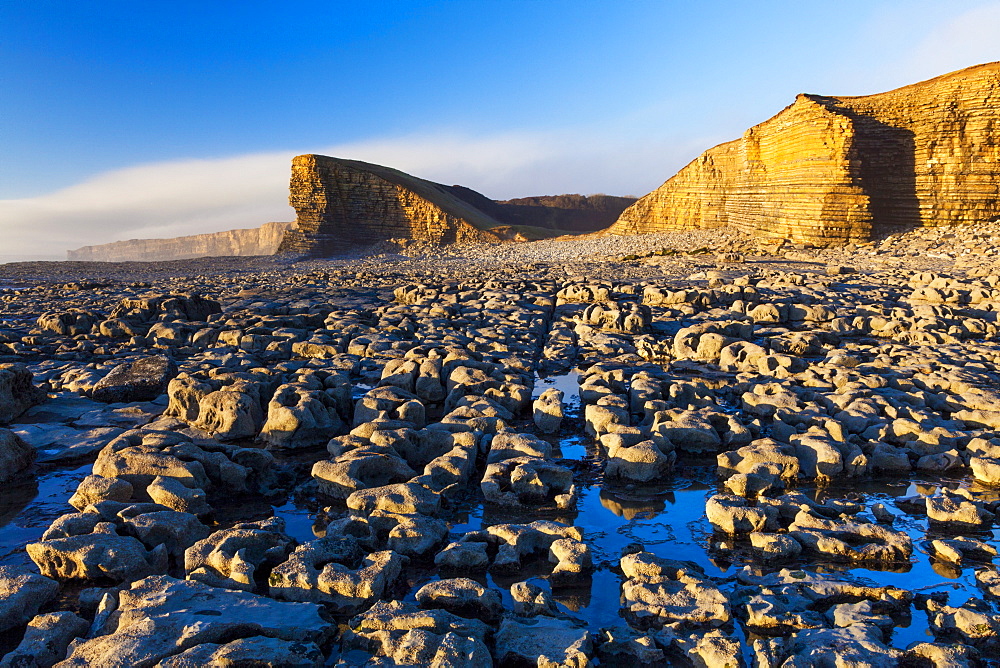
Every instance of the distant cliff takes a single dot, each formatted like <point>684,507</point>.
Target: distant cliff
<point>567,213</point>
<point>833,169</point>
<point>263,240</point>
<point>342,203</point>
<point>346,202</point>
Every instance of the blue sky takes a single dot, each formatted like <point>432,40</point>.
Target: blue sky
<point>125,120</point>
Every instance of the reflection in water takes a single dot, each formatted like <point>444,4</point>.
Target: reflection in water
<point>15,497</point>
<point>667,520</point>
<point>635,508</point>
<point>29,506</point>
<point>946,569</point>
<point>500,515</point>
<point>574,447</point>
<point>569,383</point>
<point>577,597</point>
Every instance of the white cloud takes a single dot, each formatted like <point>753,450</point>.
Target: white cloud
<point>197,196</point>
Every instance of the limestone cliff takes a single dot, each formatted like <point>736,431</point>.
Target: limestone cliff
<point>832,169</point>
<point>263,240</point>
<point>343,202</point>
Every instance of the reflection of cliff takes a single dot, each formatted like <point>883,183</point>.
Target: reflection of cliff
<point>263,240</point>
<point>830,169</point>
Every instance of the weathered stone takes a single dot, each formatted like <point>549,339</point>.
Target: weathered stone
<point>17,392</point>
<point>231,558</point>
<point>300,418</point>
<point>360,468</point>
<point>402,498</point>
<point>186,307</point>
<point>853,540</point>
<point>775,546</point>
<point>409,636</point>
<point>94,489</point>
<point>528,481</point>
<point>22,595</point>
<point>731,515</point>
<point>463,597</point>
<point>142,380</point>
<point>15,455</point>
<point>530,600</point>
<point>102,554</point>
<point>643,462</point>
<point>46,640</point>
<point>659,591</point>
<point>467,557</point>
<point>159,617</point>
<point>231,413</point>
<point>330,570</point>
<point>257,651</point>
<point>173,494</point>
<point>547,411</point>
<point>546,643</point>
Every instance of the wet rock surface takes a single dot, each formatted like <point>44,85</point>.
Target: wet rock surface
<point>605,451</point>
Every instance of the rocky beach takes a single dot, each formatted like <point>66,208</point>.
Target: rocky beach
<point>693,448</point>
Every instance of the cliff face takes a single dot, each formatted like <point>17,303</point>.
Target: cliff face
<point>263,240</point>
<point>577,213</point>
<point>344,202</point>
<point>833,169</point>
<point>565,213</point>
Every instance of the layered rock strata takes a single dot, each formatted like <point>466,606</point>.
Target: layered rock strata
<point>834,169</point>
<point>263,240</point>
<point>344,202</point>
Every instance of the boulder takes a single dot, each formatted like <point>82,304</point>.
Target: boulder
<point>508,445</point>
<point>298,417</point>
<point>142,380</point>
<point>22,595</point>
<point>159,617</point>
<point>231,413</point>
<point>957,510</point>
<point>543,642</point>
<point>731,515</point>
<point>401,498</point>
<point>173,494</point>
<point>464,557</point>
<point>46,640</point>
<point>661,591</point>
<point>528,481</point>
<point>643,463</point>
<point>94,488</point>
<point>17,393</point>
<point>360,468</point>
<point>231,558</point>
<point>407,636</point>
<point>15,455</point>
<point>847,539</point>
<point>530,600</point>
<point>547,411</point>
<point>255,651</point>
<point>331,570</point>
<point>463,597</point>
<point>410,535</point>
<point>102,554</point>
